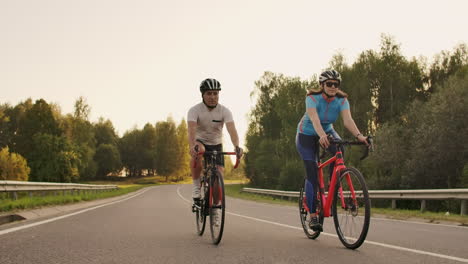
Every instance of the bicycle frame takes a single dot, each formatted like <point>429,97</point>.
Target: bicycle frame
<point>351,209</point>
<point>327,199</point>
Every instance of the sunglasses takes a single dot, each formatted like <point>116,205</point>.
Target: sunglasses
<point>330,84</point>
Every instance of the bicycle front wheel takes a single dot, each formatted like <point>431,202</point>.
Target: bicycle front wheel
<point>351,208</point>
<point>201,208</point>
<point>217,208</point>
<point>305,215</point>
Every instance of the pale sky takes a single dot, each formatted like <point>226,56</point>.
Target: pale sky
<point>141,61</point>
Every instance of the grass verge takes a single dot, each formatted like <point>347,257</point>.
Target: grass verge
<point>125,186</point>
<point>235,190</point>
<point>27,202</point>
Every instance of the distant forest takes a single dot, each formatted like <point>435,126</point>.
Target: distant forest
<point>417,113</point>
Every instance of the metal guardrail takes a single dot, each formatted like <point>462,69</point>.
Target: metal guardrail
<point>422,195</point>
<point>22,186</point>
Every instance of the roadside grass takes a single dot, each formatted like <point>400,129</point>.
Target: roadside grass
<point>235,190</point>
<point>26,202</point>
<point>125,186</point>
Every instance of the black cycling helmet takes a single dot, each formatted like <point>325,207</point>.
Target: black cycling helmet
<point>329,75</point>
<point>210,84</point>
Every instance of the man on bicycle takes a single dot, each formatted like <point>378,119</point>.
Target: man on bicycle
<point>205,129</point>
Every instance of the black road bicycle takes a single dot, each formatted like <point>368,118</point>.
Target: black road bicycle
<point>212,201</point>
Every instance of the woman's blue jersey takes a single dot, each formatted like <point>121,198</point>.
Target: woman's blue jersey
<point>328,110</point>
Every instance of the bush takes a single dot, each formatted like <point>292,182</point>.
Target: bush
<point>13,166</point>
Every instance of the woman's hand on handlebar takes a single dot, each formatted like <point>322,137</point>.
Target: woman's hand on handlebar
<point>324,141</point>
<point>363,139</point>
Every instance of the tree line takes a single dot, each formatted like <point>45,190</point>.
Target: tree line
<point>38,143</point>
<point>416,111</point>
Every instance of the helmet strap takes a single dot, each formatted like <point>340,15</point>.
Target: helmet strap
<point>209,106</point>
<point>328,96</point>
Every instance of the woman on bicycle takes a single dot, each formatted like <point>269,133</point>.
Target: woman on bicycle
<point>322,109</point>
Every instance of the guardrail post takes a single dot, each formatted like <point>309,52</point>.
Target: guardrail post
<point>14,195</point>
<point>393,204</point>
<point>423,206</point>
<point>463,207</point>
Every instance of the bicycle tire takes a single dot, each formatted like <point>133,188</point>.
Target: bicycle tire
<point>200,213</point>
<point>353,219</point>
<point>303,214</point>
<point>217,230</point>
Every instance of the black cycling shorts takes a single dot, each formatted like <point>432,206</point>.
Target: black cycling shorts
<point>219,147</point>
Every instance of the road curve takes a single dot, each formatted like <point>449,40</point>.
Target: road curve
<point>157,226</point>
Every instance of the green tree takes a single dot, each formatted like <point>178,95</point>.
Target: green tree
<point>182,153</point>
<point>445,65</point>
<point>39,119</point>
<point>440,132</point>
<point>80,132</point>
<point>53,159</point>
<point>426,149</point>
<point>272,128</point>
<point>104,132</point>
<point>166,148</point>
<point>148,145</point>
<point>6,136</point>
<point>13,166</point>
<point>82,109</point>
<point>395,81</point>
<point>130,152</point>
<point>108,158</point>
<point>10,123</point>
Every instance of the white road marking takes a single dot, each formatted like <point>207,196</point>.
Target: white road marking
<point>10,230</point>
<point>333,235</point>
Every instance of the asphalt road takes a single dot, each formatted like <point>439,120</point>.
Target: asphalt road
<point>156,225</point>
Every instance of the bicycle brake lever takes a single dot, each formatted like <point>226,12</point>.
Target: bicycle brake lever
<point>369,148</point>
<point>371,143</point>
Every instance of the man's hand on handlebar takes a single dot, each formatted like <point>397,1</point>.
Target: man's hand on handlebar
<point>239,152</point>
<point>197,148</point>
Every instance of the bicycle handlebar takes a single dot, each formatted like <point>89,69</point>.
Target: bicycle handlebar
<point>216,153</point>
<point>341,142</point>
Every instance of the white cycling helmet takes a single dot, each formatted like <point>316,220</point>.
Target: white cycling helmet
<point>329,75</point>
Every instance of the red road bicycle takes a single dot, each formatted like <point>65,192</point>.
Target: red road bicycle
<point>347,199</point>
<point>212,199</point>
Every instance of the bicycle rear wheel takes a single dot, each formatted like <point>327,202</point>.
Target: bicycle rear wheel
<point>304,214</point>
<point>201,208</point>
<point>217,210</point>
<point>351,208</point>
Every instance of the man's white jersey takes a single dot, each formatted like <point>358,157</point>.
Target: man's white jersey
<point>209,123</point>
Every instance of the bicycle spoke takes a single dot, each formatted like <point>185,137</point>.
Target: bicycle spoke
<point>351,208</point>
<point>217,209</point>
<point>200,209</point>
